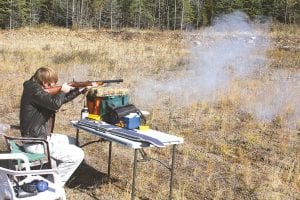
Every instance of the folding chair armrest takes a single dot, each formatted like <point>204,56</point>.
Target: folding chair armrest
<point>26,139</point>
<point>16,156</point>
<point>30,172</point>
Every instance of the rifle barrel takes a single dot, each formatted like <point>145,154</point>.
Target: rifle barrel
<point>111,81</point>
<point>89,83</point>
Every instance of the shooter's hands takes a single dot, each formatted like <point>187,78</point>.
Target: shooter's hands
<point>85,89</point>
<point>65,88</point>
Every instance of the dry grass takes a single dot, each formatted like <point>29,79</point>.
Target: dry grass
<point>228,153</point>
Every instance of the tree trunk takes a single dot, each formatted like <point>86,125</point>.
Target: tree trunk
<point>67,16</point>
<point>10,15</point>
<point>81,14</point>
<point>168,17</point>
<point>175,13</point>
<point>86,13</point>
<point>199,7</point>
<point>198,14</point>
<point>111,14</point>
<point>159,15</point>
<point>182,16</point>
<point>286,11</point>
<point>73,13</point>
<point>99,23</point>
<point>30,12</point>
<point>140,13</point>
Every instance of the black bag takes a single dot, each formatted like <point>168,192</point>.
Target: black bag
<point>114,115</point>
<point>30,189</point>
<point>25,190</point>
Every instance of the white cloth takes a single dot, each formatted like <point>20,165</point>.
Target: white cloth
<point>64,151</point>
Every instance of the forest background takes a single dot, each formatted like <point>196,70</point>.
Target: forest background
<point>160,14</point>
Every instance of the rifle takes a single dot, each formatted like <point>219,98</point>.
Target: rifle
<point>56,89</point>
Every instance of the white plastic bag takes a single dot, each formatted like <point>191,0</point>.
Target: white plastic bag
<point>4,128</point>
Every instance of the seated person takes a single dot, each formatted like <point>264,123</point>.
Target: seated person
<point>37,112</point>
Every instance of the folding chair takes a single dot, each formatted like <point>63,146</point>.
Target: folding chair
<point>13,182</point>
<point>37,160</point>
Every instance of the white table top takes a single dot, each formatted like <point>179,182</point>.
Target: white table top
<point>165,138</point>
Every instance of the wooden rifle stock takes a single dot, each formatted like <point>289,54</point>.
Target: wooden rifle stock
<point>56,89</point>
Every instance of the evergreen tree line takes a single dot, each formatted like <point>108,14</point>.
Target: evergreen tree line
<point>161,14</point>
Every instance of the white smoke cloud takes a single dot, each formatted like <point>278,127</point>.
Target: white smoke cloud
<point>222,53</point>
<point>233,48</point>
<point>278,96</point>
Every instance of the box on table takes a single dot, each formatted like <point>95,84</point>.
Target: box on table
<point>100,100</point>
<point>131,121</point>
<point>113,102</point>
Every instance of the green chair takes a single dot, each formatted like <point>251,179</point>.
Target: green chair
<point>37,160</point>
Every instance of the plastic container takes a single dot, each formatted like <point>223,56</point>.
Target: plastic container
<point>84,113</point>
<point>100,105</point>
<point>131,121</point>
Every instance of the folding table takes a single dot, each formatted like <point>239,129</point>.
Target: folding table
<point>138,146</point>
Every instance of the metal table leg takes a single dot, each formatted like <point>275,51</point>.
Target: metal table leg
<point>134,174</point>
<point>77,136</point>
<point>172,170</point>
<point>109,160</point>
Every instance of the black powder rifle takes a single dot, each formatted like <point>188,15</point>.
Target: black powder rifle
<point>56,89</point>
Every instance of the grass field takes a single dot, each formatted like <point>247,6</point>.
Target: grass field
<point>233,95</point>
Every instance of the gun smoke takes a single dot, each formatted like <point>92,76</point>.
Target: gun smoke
<point>232,50</point>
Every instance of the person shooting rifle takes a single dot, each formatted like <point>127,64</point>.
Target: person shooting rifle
<point>39,103</point>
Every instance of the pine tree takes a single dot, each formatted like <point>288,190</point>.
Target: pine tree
<point>187,15</point>
<point>22,9</point>
<point>125,10</point>
<point>252,7</point>
<point>142,13</point>
<point>208,12</point>
<point>292,11</point>
<point>5,13</point>
<point>112,15</point>
<point>96,12</point>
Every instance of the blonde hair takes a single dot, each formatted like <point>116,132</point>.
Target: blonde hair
<point>45,75</point>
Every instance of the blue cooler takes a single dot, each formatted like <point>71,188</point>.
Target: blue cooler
<point>131,121</point>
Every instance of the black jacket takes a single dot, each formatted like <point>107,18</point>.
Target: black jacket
<point>38,106</point>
